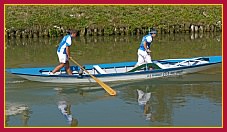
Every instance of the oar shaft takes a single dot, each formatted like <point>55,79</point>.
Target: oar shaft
<point>106,87</point>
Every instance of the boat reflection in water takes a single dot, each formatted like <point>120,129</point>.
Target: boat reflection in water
<point>145,104</point>
<point>65,109</point>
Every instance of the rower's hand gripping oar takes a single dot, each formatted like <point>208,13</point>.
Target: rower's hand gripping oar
<point>106,87</point>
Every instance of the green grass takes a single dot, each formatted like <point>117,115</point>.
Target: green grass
<point>108,16</point>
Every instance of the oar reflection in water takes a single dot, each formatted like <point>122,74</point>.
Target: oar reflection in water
<point>144,103</point>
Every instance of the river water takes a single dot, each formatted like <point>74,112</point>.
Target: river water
<point>193,100</point>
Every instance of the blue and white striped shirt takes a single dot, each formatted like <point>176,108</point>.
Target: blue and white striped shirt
<point>148,38</point>
<point>66,41</point>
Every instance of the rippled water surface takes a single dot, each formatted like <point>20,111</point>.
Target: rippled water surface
<point>193,100</point>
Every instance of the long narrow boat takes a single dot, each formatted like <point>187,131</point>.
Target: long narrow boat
<point>120,71</point>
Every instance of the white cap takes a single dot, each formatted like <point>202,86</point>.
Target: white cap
<point>153,32</point>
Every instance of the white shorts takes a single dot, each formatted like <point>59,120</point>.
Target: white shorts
<point>62,57</point>
<point>143,57</point>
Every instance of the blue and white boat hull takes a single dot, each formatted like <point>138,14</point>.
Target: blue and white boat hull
<point>120,71</point>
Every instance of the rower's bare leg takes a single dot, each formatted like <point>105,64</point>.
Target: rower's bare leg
<point>67,67</point>
<point>57,68</point>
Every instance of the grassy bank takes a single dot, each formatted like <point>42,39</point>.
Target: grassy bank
<point>21,17</point>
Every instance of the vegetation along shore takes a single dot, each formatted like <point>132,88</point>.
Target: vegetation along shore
<point>30,21</point>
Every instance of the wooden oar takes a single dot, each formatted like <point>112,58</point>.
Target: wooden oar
<point>106,87</point>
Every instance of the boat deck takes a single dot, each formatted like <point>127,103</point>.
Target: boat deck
<point>105,69</point>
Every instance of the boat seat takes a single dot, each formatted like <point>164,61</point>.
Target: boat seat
<point>99,69</point>
<point>191,62</point>
<point>187,62</point>
<point>160,65</point>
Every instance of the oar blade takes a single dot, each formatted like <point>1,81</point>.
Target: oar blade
<point>106,87</point>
